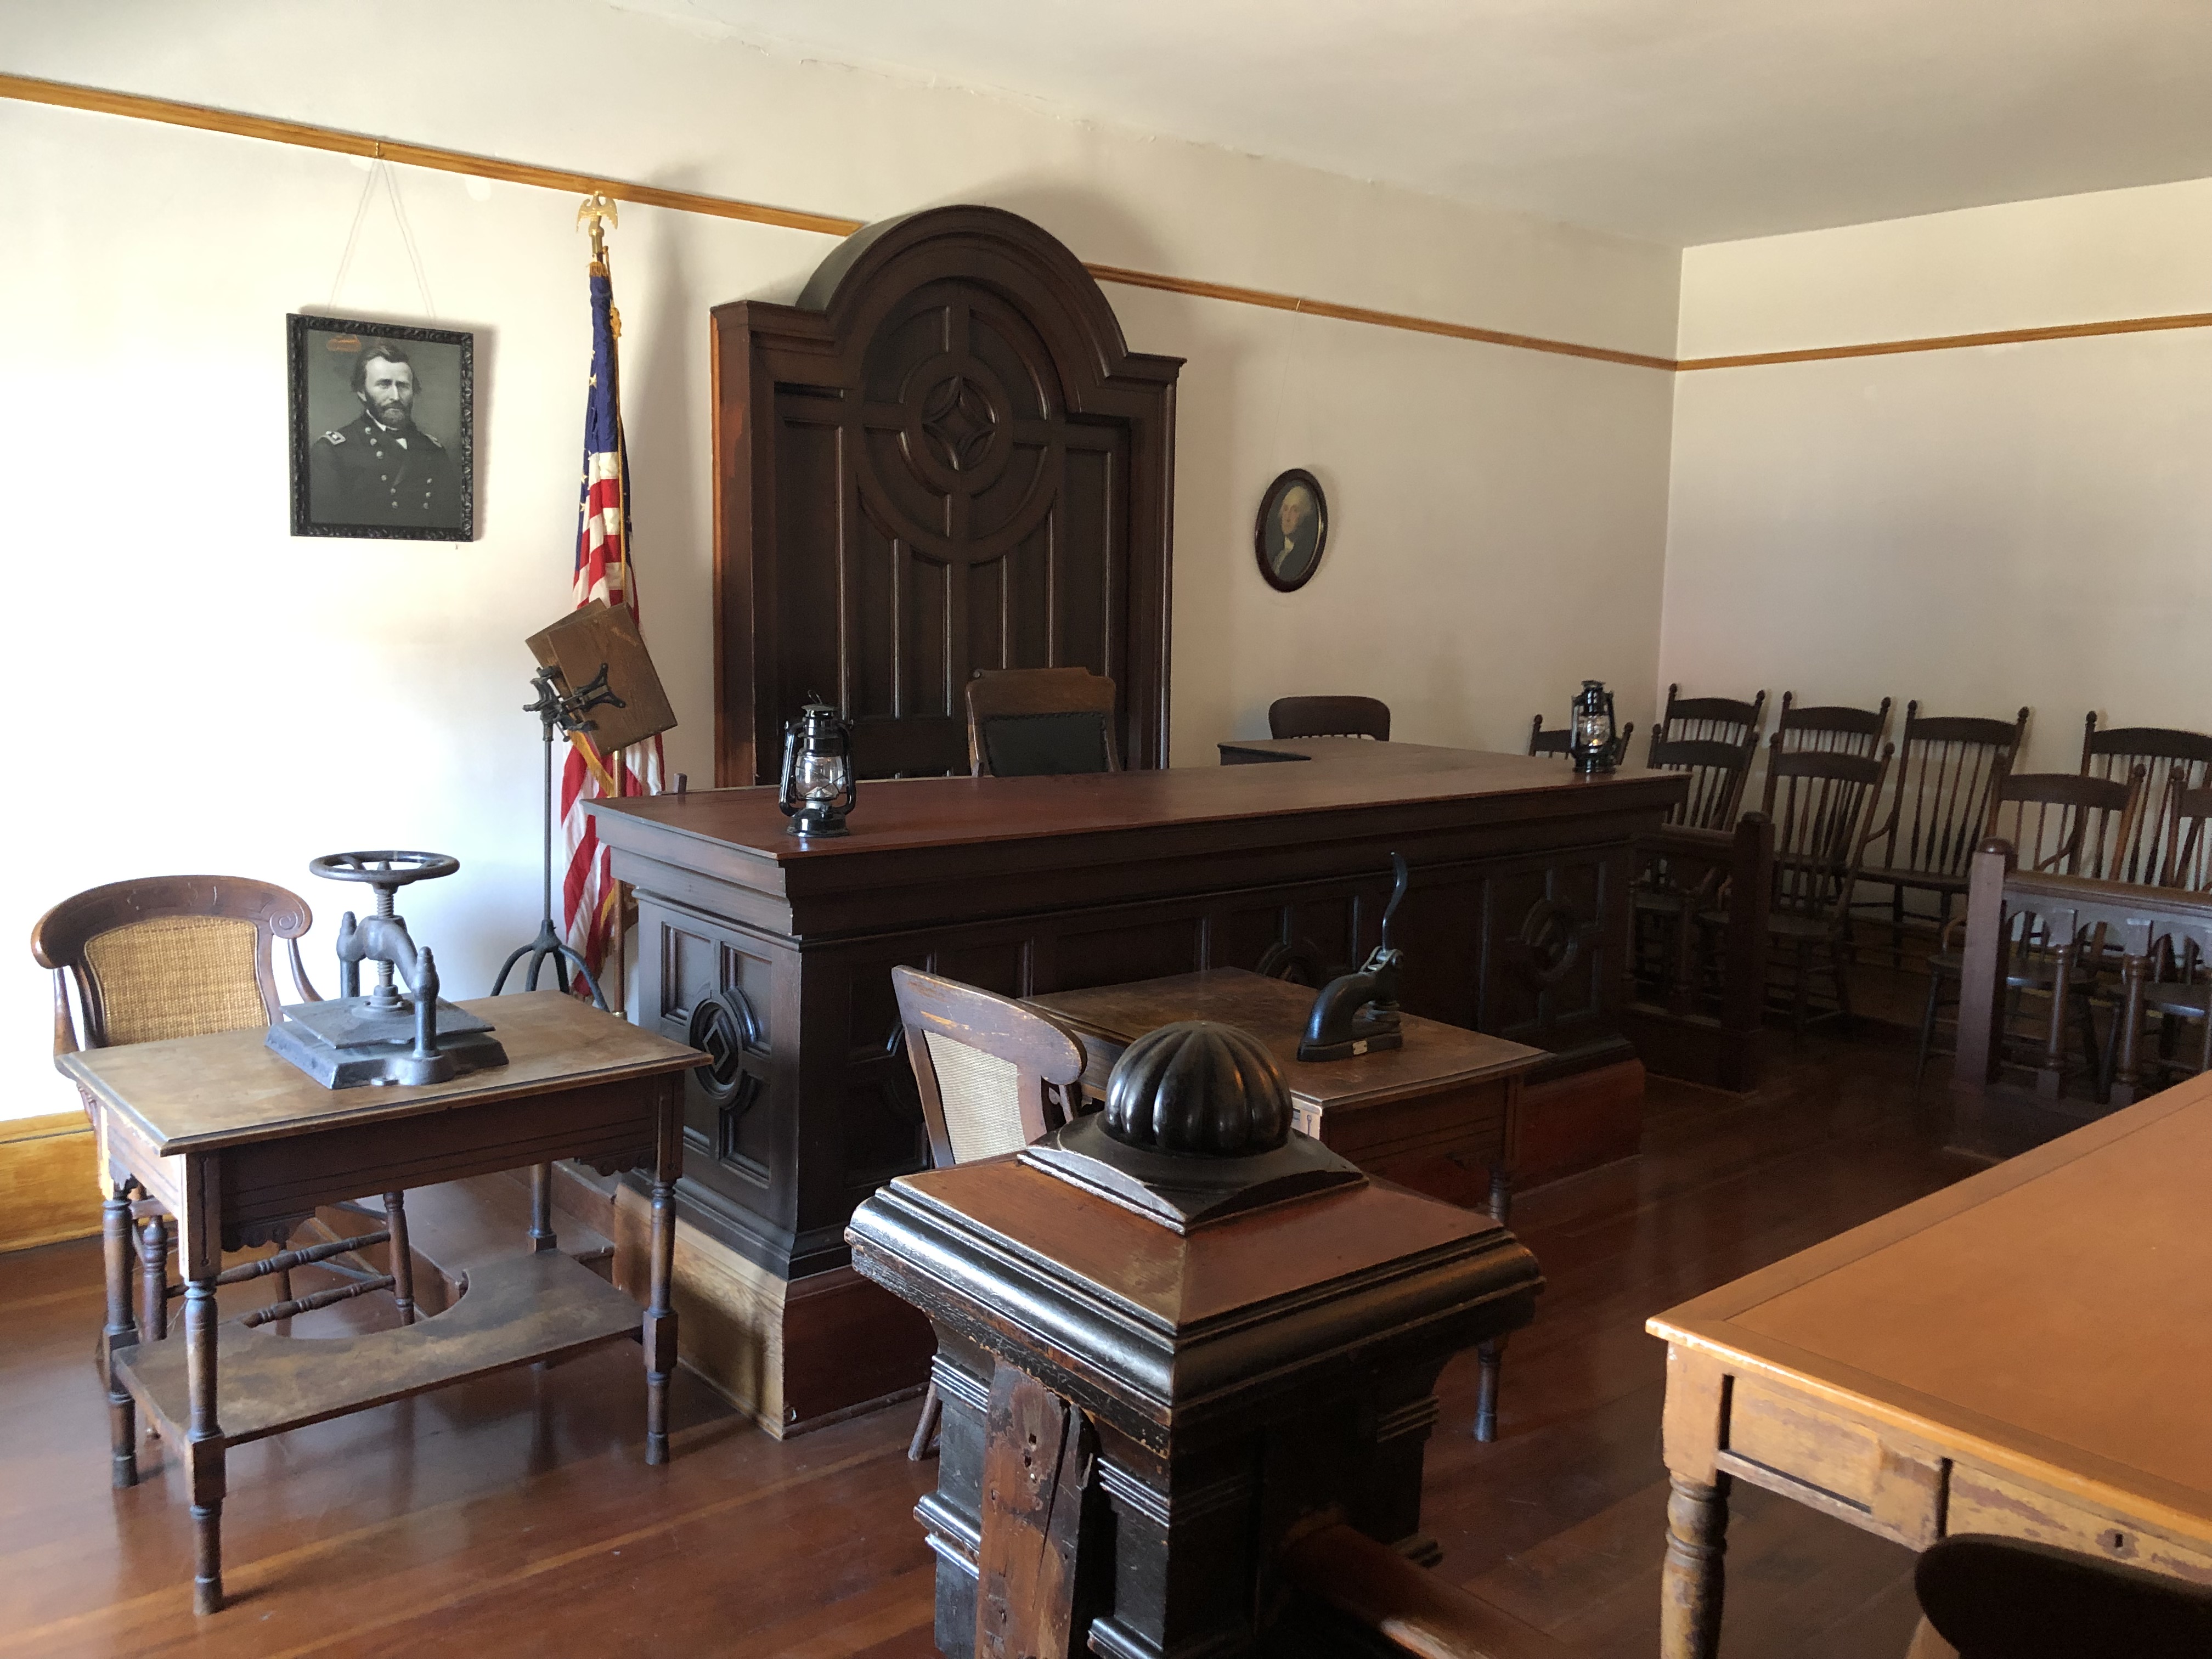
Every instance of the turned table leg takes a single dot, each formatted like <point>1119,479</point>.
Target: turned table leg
<point>201,1251</point>
<point>154,1278</point>
<point>121,1333</point>
<point>1692,1581</point>
<point>1490,1355</point>
<point>541,1209</point>
<point>660,1323</point>
<point>400,1255</point>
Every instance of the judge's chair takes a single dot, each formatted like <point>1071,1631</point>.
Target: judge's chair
<point>1034,722</point>
<point>993,1075</point>
<point>1329,717</point>
<point>192,955</point>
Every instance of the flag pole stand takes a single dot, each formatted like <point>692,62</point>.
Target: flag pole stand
<point>564,711</point>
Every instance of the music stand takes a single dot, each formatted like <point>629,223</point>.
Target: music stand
<point>592,659</point>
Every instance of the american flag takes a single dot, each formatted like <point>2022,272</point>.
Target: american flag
<point>591,899</point>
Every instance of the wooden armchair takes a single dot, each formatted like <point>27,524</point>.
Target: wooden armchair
<point>1710,720</point>
<point>2162,753</point>
<point>1033,722</point>
<point>1836,728</point>
<point>2004,1598</point>
<point>2055,823</point>
<point>1950,768</point>
<point>1820,803</point>
<point>1329,717</point>
<point>994,1075</point>
<point>191,956</point>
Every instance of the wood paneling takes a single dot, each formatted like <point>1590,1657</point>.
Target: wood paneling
<point>49,1181</point>
<point>944,459</point>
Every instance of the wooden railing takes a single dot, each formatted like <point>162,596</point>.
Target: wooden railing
<point>2080,938</point>
<point>1696,1015</point>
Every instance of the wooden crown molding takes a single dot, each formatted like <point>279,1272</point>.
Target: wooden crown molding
<point>137,107</point>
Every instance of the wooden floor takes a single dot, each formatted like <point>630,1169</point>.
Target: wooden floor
<point>515,1516</point>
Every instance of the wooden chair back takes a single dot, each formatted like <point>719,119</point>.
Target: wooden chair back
<point>2005,1598</point>
<point>2063,823</point>
<point>2160,752</point>
<point>1329,717</point>
<point>1821,804</point>
<point>1719,771</point>
<point>1834,727</point>
<point>1710,720</point>
<point>169,957</point>
<point>994,1075</point>
<point>1030,723</point>
<point>1559,740</point>
<point>2188,837</point>
<point>1949,768</point>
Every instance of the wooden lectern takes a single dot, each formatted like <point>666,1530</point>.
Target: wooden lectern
<point>1173,1339</point>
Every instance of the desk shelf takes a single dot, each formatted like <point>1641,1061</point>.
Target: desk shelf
<point>515,1311</point>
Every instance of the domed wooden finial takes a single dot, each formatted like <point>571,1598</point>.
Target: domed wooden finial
<point>1198,1088</point>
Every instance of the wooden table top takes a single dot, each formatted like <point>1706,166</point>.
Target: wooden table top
<point>1372,755</point>
<point>195,1094</point>
<point>907,813</point>
<point>1275,1012</point>
<point>2052,1314</point>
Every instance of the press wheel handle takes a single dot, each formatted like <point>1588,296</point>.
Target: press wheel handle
<point>390,869</point>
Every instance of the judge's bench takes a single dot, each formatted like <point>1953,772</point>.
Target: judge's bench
<point>777,954</point>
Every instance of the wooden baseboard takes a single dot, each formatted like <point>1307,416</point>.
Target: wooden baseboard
<point>792,1354</point>
<point>49,1181</point>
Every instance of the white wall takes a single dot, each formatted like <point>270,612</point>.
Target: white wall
<point>203,692</point>
<point>1978,528</point>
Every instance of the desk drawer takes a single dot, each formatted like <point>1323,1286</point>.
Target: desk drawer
<point>1981,1501</point>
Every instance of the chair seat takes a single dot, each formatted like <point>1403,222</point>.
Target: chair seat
<point>1932,881</point>
<point>2189,1002</point>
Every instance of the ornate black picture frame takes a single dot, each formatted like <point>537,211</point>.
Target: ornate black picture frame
<point>383,429</point>
<point>1292,532</point>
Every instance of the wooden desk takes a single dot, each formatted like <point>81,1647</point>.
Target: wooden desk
<point>2023,1354</point>
<point>1423,1115</point>
<point>232,1139</point>
<point>1515,924</point>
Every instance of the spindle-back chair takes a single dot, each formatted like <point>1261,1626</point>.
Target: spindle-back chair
<point>2161,752</point>
<point>1834,727</point>
<point>1821,804</point>
<point>1948,769</point>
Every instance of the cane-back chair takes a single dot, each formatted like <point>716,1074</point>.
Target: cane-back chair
<point>993,1074</point>
<point>1329,717</point>
<point>1834,727</point>
<point>1560,739</point>
<point>1821,804</point>
<point>1030,723</point>
<point>1949,771</point>
<point>2060,824</point>
<point>2162,752</point>
<point>192,955</point>
<point>1987,1598</point>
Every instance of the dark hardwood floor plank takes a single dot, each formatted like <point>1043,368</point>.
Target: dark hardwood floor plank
<point>513,1516</point>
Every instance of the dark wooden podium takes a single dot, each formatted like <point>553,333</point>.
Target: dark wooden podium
<point>1514,925</point>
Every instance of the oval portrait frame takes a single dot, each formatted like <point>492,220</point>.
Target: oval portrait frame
<point>1266,532</point>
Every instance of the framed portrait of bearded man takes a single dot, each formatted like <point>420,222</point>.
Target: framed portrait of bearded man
<point>383,429</point>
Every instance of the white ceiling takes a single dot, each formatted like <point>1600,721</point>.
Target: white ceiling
<point>1678,121</point>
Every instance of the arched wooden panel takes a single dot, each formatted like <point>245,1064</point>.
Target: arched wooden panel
<point>945,457</point>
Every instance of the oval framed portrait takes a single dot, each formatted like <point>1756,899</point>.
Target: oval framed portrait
<point>1292,532</point>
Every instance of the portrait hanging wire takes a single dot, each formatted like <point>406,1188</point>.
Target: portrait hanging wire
<point>382,171</point>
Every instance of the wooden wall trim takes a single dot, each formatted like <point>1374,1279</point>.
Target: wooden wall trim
<point>1953,342</point>
<point>49,1181</point>
<point>138,107</point>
